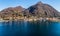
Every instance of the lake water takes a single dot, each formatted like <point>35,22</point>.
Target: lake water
<point>26,28</point>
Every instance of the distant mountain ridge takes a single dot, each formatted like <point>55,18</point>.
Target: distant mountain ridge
<point>38,10</point>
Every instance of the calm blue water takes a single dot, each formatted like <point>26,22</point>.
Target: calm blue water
<point>25,28</point>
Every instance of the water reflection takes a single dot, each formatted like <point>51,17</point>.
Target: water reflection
<point>54,28</point>
<point>26,28</point>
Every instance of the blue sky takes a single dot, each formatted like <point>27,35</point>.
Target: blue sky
<point>26,3</point>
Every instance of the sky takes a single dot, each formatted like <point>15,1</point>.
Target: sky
<point>27,3</point>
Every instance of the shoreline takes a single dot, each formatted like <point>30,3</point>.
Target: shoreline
<point>32,19</point>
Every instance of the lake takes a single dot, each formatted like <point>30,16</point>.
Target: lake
<point>29,28</point>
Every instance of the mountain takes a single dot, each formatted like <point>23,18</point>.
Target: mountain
<point>43,10</point>
<point>18,8</point>
<point>12,11</point>
<point>38,10</point>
